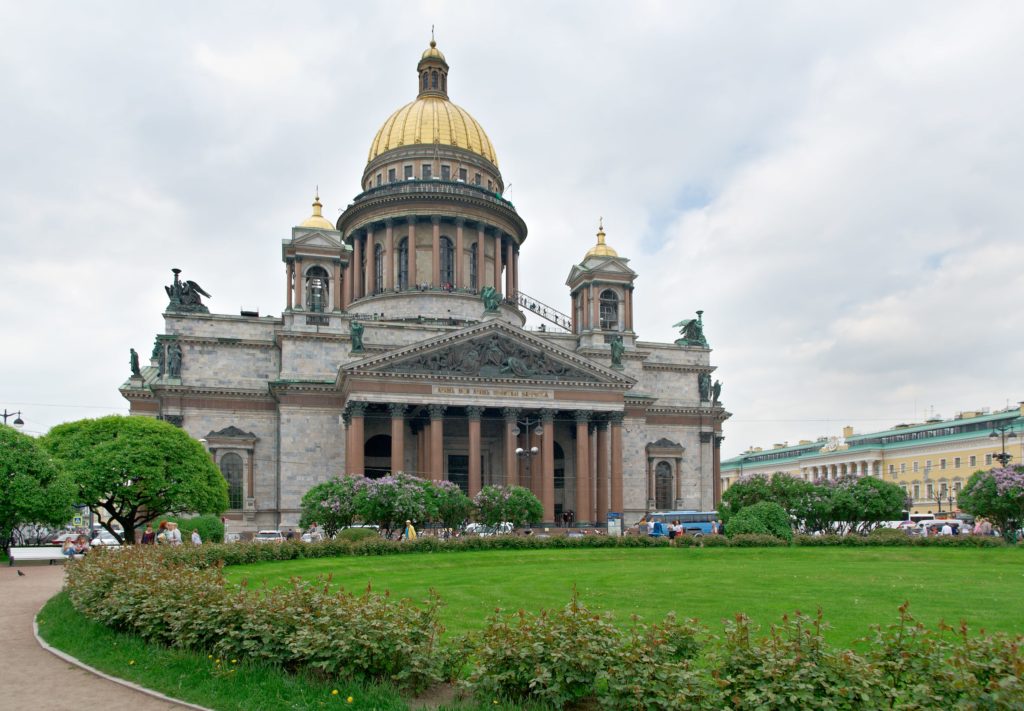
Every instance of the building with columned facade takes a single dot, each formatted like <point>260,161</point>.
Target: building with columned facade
<point>402,346</point>
<point>930,460</point>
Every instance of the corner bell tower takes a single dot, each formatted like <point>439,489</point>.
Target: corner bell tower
<point>601,287</point>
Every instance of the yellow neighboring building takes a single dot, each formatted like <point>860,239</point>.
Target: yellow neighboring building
<point>932,461</point>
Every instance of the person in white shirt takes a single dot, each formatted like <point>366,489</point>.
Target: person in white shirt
<point>196,538</point>
<point>947,530</point>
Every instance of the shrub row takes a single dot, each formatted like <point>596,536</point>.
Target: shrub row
<point>575,656</point>
<point>176,597</point>
<point>242,553</point>
<point>306,627</point>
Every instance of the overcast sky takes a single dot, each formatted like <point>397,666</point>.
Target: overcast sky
<point>837,185</point>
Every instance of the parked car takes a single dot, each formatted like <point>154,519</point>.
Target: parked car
<point>104,538</point>
<point>268,536</point>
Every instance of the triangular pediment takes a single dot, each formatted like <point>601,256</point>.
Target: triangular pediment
<point>316,238</point>
<point>600,265</point>
<point>492,351</point>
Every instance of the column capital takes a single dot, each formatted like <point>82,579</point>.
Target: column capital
<point>460,221</point>
<point>346,417</point>
<point>397,409</point>
<point>298,259</point>
<point>389,222</point>
<point>547,416</point>
<point>718,441</point>
<point>601,423</point>
<point>473,412</point>
<point>435,219</point>
<point>436,411</point>
<point>582,416</point>
<point>356,408</point>
<point>511,413</point>
<point>705,437</point>
<point>289,261</point>
<point>412,219</point>
<point>616,418</point>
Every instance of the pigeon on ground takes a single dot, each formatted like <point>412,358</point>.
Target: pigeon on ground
<point>21,574</point>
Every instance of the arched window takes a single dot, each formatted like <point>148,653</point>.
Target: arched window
<point>317,290</point>
<point>231,468</point>
<point>433,80</point>
<point>424,80</point>
<point>378,266</point>
<point>403,264</point>
<point>609,310</point>
<point>663,486</point>
<point>473,252</point>
<point>447,263</point>
<point>444,82</point>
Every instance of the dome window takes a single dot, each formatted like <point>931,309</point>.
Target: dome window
<point>447,263</point>
<point>425,80</point>
<point>446,172</point>
<point>403,264</point>
<point>408,172</point>
<point>317,289</point>
<point>433,80</point>
<point>428,171</point>
<point>474,250</point>
<point>378,266</point>
<point>391,175</point>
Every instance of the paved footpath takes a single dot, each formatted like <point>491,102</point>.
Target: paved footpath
<point>31,677</point>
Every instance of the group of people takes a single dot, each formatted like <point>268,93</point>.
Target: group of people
<point>75,546</point>
<point>169,534</point>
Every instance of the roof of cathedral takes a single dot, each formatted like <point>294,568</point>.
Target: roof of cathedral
<point>433,119</point>
<point>600,249</point>
<point>317,221</point>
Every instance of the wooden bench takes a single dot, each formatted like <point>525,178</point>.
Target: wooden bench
<point>21,554</point>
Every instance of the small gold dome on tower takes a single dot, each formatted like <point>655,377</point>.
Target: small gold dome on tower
<point>600,249</point>
<point>317,221</point>
<point>432,52</point>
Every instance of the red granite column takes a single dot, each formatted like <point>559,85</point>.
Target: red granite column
<point>389,255</point>
<point>475,483</point>
<point>497,260</point>
<point>457,266</point>
<point>289,275</point>
<point>397,437</point>
<point>437,442</point>
<point>583,482</point>
<point>411,256</point>
<point>481,279</point>
<point>616,447</point>
<point>356,465</point>
<point>511,415</point>
<point>602,471</point>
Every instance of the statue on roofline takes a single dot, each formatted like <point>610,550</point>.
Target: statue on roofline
<point>716,392</point>
<point>184,296</point>
<point>133,361</point>
<point>355,330</point>
<point>704,386</point>
<point>617,350</point>
<point>692,332</point>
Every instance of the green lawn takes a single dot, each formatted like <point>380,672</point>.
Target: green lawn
<point>855,587</point>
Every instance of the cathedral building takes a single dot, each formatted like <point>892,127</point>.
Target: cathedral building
<point>403,347</point>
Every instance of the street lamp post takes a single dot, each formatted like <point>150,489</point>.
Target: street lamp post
<point>942,494</point>
<point>18,422</point>
<point>1003,433</point>
<point>530,453</point>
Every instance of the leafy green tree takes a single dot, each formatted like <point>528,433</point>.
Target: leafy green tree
<point>132,470</point>
<point>332,504</point>
<point>32,488</point>
<point>747,491</point>
<point>765,517</point>
<point>997,495</point>
<point>874,501</point>
<point>515,504</point>
<point>453,508</point>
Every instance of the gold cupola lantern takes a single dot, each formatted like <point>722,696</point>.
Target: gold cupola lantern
<point>317,221</point>
<point>600,249</point>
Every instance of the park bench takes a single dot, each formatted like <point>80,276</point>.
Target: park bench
<point>21,554</point>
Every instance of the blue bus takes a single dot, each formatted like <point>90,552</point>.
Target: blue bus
<point>694,523</point>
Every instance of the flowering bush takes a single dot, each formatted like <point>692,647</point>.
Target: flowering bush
<point>765,518</point>
<point>997,495</point>
<point>331,504</point>
<point>452,507</point>
<point>516,504</point>
<point>392,500</point>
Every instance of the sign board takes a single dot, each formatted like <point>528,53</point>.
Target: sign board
<point>614,524</point>
<point>76,521</point>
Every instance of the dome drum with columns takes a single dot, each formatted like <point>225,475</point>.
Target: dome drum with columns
<point>403,346</point>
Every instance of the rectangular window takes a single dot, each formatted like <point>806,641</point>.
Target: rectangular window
<point>446,172</point>
<point>903,467</point>
<point>892,468</point>
<point>956,462</point>
<point>477,179</point>
<point>428,171</point>
<point>917,491</point>
<point>462,174</point>
<point>915,467</point>
<point>490,186</point>
<point>928,464</point>
<point>378,179</point>
<point>391,175</point>
<point>931,492</point>
<point>988,460</point>
<point>408,172</point>
<point>942,464</point>
<point>956,486</point>
<point>973,460</point>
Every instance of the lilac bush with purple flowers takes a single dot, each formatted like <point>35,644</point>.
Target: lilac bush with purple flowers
<point>516,504</point>
<point>998,495</point>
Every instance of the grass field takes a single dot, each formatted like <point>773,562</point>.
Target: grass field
<point>855,587</point>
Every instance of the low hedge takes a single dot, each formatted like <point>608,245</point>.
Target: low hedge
<point>177,596</point>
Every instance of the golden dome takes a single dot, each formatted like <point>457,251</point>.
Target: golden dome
<point>317,221</point>
<point>432,120</point>
<point>432,52</point>
<point>600,249</point>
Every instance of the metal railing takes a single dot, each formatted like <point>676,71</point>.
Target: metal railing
<point>546,312</point>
